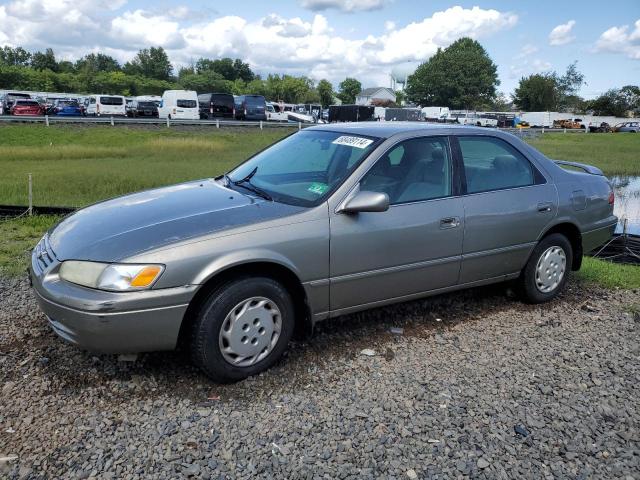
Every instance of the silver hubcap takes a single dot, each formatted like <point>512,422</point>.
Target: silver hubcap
<point>550,269</point>
<point>250,331</point>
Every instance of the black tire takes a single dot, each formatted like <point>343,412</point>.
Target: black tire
<point>209,320</point>
<point>527,283</point>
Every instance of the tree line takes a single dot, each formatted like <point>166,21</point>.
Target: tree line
<point>461,76</point>
<point>150,73</point>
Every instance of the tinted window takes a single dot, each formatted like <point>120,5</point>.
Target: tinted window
<point>493,164</point>
<point>414,170</point>
<point>27,103</point>
<point>146,105</point>
<point>111,100</point>
<point>186,103</point>
<point>225,100</point>
<point>254,101</point>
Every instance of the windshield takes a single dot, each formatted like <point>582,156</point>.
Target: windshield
<point>306,167</point>
<point>146,105</point>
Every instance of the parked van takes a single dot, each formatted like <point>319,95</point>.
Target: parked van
<point>179,104</point>
<point>216,105</point>
<point>251,107</point>
<point>109,105</point>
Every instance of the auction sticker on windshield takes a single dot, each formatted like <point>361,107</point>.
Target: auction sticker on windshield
<point>318,188</point>
<point>357,142</point>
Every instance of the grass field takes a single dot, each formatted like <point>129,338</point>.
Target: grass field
<point>614,154</point>
<point>76,165</point>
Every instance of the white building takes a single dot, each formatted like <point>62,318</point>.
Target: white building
<point>369,95</point>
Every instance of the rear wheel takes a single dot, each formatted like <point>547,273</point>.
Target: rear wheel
<point>547,270</point>
<point>242,328</point>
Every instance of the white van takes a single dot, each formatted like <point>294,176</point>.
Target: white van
<point>179,104</point>
<point>107,105</point>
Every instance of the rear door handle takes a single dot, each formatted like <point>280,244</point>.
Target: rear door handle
<point>449,222</point>
<point>545,207</point>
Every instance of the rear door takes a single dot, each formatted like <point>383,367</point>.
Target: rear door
<point>507,204</point>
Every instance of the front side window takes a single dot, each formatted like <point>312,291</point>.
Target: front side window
<point>492,164</point>
<point>306,167</point>
<point>414,170</point>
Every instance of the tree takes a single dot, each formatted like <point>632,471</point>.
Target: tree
<point>460,76</point>
<point>349,88</point>
<point>97,62</point>
<point>617,102</point>
<point>400,97</point>
<point>537,93</point>
<point>44,60</point>
<point>15,57</point>
<point>207,81</point>
<point>501,103</point>
<point>150,62</point>
<point>229,69</point>
<point>325,91</point>
<point>550,91</point>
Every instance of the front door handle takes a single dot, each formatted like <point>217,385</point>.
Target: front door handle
<point>545,207</point>
<point>449,222</point>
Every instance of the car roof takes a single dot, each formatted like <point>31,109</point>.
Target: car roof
<point>389,129</point>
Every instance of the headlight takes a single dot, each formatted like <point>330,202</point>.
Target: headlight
<point>114,277</point>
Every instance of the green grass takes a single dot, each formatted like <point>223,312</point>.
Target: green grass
<point>614,154</point>
<point>19,236</point>
<point>76,166</point>
<point>609,274</point>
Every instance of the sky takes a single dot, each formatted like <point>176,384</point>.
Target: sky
<point>366,39</point>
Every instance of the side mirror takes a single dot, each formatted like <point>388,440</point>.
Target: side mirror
<point>365,201</point>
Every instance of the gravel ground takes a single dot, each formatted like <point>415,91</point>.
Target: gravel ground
<point>475,385</point>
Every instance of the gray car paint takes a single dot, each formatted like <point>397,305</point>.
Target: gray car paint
<point>345,262</point>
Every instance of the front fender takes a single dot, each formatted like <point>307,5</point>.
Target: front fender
<point>243,257</point>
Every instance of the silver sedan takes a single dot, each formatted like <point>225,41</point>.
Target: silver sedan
<point>331,220</point>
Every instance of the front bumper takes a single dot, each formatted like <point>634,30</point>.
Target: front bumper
<point>109,322</point>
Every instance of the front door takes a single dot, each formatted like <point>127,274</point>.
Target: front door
<point>413,247</point>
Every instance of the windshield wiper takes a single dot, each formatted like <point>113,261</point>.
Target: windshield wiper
<point>246,183</point>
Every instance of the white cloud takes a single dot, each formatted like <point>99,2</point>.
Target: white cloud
<point>141,29</point>
<point>389,25</point>
<point>621,40</point>
<point>526,51</point>
<point>348,6</point>
<point>528,67</point>
<point>561,34</point>
<point>299,46</point>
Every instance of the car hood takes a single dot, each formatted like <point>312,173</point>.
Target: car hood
<point>119,228</point>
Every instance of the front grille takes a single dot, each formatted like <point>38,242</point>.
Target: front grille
<point>43,254</point>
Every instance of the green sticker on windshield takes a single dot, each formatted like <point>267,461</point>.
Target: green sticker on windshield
<point>318,188</point>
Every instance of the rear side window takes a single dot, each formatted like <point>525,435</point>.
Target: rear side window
<point>111,100</point>
<point>493,164</point>
<point>186,103</point>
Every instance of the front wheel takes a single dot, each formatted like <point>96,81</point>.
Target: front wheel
<point>547,270</point>
<point>242,328</point>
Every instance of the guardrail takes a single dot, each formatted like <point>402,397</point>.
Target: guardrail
<point>113,120</point>
<point>219,123</point>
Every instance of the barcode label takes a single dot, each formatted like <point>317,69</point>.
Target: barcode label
<point>357,142</point>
